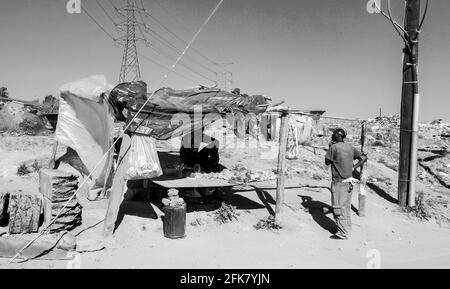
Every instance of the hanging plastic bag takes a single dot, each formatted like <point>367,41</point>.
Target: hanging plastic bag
<point>143,160</point>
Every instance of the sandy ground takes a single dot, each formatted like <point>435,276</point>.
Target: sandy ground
<point>304,242</point>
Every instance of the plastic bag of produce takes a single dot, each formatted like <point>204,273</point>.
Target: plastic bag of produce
<point>143,161</point>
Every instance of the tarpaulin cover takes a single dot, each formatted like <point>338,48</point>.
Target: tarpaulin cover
<point>155,119</point>
<point>86,126</point>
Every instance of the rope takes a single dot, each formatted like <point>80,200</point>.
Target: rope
<point>122,133</point>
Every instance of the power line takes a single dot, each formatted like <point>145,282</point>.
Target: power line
<point>114,6</point>
<point>167,68</point>
<point>98,24</point>
<point>174,34</point>
<point>106,13</point>
<point>166,55</point>
<point>152,47</point>
<point>167,43</point>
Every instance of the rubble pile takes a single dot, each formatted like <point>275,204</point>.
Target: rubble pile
<point>384,130</point>
<point>435,129</point>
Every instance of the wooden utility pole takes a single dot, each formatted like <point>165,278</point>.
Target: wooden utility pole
<point>281,165</point>
<point>409,107</point>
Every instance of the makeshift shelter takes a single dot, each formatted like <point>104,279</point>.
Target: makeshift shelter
<point>155,119</point>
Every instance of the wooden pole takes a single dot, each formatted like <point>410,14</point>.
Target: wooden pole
<point>281,166</point>
<point>117,190</point>
<point>52,162</point>
<point>363,173</point>
<point>409,90</point>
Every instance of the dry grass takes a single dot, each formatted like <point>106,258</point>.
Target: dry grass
<point>23,170</point>
<point>421,210</point>
<point>226,214</point>
<point>268,223</point>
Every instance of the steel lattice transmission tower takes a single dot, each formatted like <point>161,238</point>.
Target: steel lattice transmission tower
<point>130,70</point>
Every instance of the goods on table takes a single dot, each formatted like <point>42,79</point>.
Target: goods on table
<point>239,176</point>
<point>173,200</point>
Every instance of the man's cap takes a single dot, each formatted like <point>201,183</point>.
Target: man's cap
<point>340,131</point>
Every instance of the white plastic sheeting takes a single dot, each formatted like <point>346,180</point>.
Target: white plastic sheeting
<point>143,160</point>
<point>300,133</point>
<point>91,87</point>
<point>86,125</point>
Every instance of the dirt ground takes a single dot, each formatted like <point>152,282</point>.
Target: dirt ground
<point>400,239</point>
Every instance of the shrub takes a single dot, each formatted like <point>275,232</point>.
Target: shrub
<point>23,170</point>
<point>268,223</point>
<point>421,209</point>
<point>378,143</point>
<point>225,214</point>
<point>36,166</point>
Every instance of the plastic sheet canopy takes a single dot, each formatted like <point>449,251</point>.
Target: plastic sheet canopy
<point>156,118</point>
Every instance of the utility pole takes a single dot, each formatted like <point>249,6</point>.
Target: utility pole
<point>409,33</point>
<point>409,107</point>
<point>130,70</point>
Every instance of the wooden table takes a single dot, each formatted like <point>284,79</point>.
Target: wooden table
<point>185,183</point>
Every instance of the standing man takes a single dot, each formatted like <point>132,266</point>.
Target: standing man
<point>341,156</point>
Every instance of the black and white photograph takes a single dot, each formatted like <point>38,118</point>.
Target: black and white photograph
<point>221,140</point>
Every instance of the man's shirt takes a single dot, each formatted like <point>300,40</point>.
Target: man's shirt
<point>342,156</point>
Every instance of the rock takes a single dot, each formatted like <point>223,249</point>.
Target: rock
<point>68,242</point>
<point>24,212</point>
<point>58,187</point>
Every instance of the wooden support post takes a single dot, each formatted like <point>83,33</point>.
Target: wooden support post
<point>108,174</point>
<point>281,166</point>
<point>363,173</point>
<point>118,188</point>
<point>408,108</point>
<point>4,200</point>
<point>51,165</point>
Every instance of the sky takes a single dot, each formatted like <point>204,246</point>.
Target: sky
<point>316,54</point>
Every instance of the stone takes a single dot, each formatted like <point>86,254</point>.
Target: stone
<point>24,212</point>
<point>57,188</point>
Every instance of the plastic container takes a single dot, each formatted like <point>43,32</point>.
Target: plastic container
<point>174,222</point>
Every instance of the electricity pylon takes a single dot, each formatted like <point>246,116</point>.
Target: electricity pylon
<point>130,70</point>
<point>224,80</point>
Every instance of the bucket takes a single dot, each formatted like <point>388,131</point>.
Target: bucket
<point>174,222</point>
